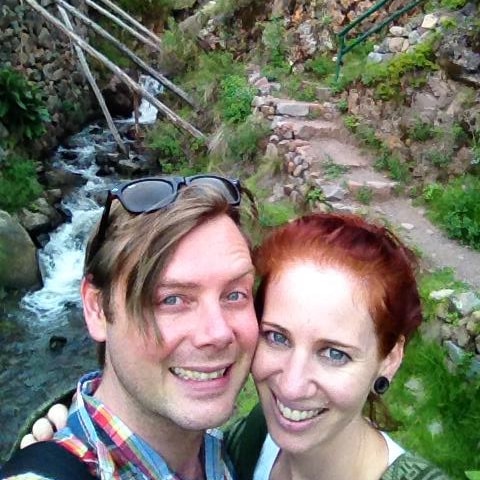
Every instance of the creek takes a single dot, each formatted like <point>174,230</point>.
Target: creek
<point>44,345</point>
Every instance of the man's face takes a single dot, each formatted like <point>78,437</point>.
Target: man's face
<point>205,315</point>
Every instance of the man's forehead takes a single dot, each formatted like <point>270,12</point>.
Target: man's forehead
<point>215,247</point>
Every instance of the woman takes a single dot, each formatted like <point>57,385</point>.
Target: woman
<point>337,303</point>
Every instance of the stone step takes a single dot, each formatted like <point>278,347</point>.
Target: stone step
<point>334,151</point>
<point>274,106</point>
<point>287,128</point>
<point>380,190</point>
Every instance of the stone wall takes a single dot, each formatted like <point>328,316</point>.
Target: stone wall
<point>44,55</point>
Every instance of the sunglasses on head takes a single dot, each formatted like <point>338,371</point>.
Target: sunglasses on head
<point>147,195</point>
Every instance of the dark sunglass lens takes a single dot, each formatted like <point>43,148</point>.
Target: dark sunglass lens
<point>226,187</point>
<point>146,195</point>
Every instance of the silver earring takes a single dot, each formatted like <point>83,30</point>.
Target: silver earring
<point>381,385</point>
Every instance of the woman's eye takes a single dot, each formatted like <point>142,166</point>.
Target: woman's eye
<point>336,356</point>
<point>276,338</point>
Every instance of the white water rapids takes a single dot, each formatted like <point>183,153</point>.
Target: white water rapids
<point>61,260</point>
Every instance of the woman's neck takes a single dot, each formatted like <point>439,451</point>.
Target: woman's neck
<point>359,452</point>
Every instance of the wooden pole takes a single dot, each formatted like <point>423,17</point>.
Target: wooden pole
<point>171,116</point>
<point>124,49</point>
<point>116,20</point>
<point>134,22</point>
<point>93,84</point>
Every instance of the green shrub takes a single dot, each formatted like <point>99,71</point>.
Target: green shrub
<point>437,280</point>
<point>166,140</point>
<point>18,184</point>
<point>459,135</point>
<point>438,158</point>
<point>321,66</point>
<point>397,169</point>
<point>278,213</point>
<point>177,152</point>
<point>179,51</point>
<point>207,71</point>
<point>388,78</point>
<point>148,9</point>
<point>353,67</point>
<point>297,88</point>
<point>342,106</point>
<point>351,122</point>
<point>332,170</point>
<point>364,195</point>
<point>22,109</point>
<point>456,207</point>
<point>275,49</point>
<point>112,53</point>
<point>235,99</point>
<point>421,131</point>
<point>453,4</point>
<point>243,139</point>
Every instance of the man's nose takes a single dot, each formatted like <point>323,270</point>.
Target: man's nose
<point>213,327</point>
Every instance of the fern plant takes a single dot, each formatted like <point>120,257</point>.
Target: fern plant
<point>22,109</point>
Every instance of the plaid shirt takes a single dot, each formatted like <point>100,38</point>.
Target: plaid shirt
<point>113,451</point>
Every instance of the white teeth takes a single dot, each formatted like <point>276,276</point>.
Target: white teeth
<point>198,376</point>
<point>297,415</point>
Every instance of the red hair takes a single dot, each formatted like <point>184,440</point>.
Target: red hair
<point>382,265</point>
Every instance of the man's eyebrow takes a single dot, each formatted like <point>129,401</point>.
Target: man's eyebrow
<point>250,271</point>
<point>166,283</point>
<point>175,284</point>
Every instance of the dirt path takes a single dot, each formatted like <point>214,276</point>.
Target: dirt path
<point>437,250</point>
<point>408,221</point>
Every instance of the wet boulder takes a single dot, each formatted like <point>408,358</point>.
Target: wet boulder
<point>18,255</point>
<point>119,98</point>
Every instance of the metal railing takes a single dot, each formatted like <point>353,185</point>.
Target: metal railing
<point>343,48</point>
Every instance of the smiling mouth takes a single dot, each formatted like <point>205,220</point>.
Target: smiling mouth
<point>298,415</point>
<point>197,376</point>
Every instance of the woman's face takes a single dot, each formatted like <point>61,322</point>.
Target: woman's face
<point>317,358</point>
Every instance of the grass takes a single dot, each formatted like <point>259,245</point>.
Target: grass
<point>332,170</point>
<point>278,213</point>
<point>456,208</point>
<point>440,420</point>
<point>364,195</point>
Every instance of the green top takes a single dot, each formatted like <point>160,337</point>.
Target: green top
<point>412,467</point>
<point>245,438</point>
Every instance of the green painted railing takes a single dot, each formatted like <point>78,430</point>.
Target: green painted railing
<point>343,48</point>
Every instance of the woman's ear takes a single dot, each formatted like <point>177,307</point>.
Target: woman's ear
<point>93,310</point>
<point>391,363</point>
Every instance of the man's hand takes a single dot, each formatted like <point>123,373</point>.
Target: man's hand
<point>44,428</point>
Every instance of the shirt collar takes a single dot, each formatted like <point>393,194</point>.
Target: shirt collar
<point>118,449</point>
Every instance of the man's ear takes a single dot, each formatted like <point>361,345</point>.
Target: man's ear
<point>391,363</point>
<point>93,310</point>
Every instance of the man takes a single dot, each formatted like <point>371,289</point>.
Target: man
<point>167,291</point>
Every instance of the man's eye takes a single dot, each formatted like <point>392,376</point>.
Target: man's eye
<point>235,296</point>
<point>172,300</point>
<point>276,338</point>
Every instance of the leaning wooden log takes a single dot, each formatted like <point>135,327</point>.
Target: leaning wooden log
<point>116,20</point>
<point>134,22</point>
<point>124,49</point>
<point>93,84</point>
<point>169,114</point>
